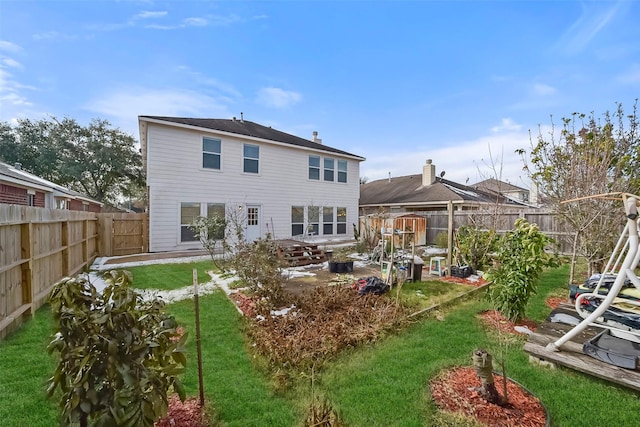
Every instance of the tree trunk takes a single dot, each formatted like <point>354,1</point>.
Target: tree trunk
<point>574,257</point>
<point>484,370</point>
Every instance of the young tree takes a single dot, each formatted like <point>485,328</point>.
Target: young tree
<point>118,355</point>
<point>590,155</point>
<point>520,259</point>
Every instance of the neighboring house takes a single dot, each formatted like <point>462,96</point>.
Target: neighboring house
<point>510,191</point>
<point>424,192</point>
<point>19,187</point>
<point>277,183</point>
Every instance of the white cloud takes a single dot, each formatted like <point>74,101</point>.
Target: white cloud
<point>506,124</point>
<point>464,162</point>
<point>630,76</point>
<point>594,18</point>
<point>9,62</point>
<point>225,89</point>
<point>195,22</point>
<point>277,98</point>
<point>124,105</point>
<point>543,89</point>
<point>147,14</point>
<point>9,47</point>
<point>12,97</point>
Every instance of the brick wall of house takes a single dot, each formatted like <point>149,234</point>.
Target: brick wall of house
<point>13,195</point>
<point>77,205</point>
<point>19,196</point>
<point>39,199</point>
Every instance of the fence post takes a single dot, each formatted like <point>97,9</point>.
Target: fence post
<point>105,223</point>
<point>25,270</point>
<point>450,233</point>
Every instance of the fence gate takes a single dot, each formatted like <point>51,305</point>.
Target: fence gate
<point>124,234</point>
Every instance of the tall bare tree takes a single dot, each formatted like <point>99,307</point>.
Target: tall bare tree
<point>589,155</point>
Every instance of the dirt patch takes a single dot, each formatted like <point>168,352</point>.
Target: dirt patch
<point>322,276</point>
<point>455,391</point>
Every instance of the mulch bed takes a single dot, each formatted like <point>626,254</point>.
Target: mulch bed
<point>496,320</point>
<point>455,391</point>
<point>554,302</point>
<point>183,414</point>
<point>466,281</point>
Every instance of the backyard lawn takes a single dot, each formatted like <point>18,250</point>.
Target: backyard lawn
<point>379,384</point>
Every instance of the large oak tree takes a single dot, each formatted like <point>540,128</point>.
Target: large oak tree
<point>97,160</point>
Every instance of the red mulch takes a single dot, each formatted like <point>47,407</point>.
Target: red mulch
<point>187,414</point>
<point>454,392</point>
<point>496,320</point>
<point>466,281</point>
<point>244,303</point>
<point>554,302</point>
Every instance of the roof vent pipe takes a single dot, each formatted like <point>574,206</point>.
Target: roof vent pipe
<point>315,137</point>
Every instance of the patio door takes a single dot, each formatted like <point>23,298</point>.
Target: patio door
<point>254,223</point>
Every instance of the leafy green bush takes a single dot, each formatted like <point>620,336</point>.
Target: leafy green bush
<point>475,245</point>
<point>119,355</point>
<point>521,258</point>
<point>442,240</point>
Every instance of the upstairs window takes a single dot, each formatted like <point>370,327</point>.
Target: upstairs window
<point>211,153</point>
<point>314,168</point>
<point>251,158</point>
<point>342,171</point>
<point>328,169</point>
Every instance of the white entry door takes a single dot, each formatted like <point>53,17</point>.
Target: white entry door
<point>254,223</point>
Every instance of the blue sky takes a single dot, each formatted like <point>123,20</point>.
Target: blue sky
<point>398,82</point>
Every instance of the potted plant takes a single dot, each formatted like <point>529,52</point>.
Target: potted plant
<point>340,262</point>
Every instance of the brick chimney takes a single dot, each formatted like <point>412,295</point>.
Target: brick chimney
<point>428,173</point>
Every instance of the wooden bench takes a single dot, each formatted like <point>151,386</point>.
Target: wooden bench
<point>571,355</point>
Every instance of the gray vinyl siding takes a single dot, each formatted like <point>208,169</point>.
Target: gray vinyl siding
<point>175,175</point>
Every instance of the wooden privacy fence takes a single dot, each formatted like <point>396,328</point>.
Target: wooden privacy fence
<point>434,223</point>
<point>124,233</point>
<point>40,246</point>
<point>549,224</point>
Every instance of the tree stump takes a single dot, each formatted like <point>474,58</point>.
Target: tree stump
<point>484,369</point>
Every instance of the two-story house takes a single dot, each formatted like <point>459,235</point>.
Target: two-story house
<point>279,183</point>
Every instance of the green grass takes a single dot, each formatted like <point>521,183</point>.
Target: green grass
<point>240,393</point>
<point>169,276</point>
<point>419,295</point>
<point>25,367</point>
<point>382,384</point>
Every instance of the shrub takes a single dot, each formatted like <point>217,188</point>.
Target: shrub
<point>442,240</point>
<point>520,259</point>
<point>475,245</point>
<point>259,266</point>
<point>118,355</point>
